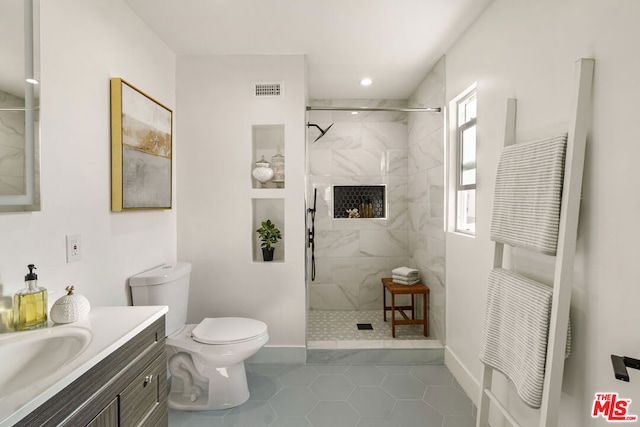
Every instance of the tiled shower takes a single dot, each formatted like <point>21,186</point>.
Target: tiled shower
<point>404,153</point>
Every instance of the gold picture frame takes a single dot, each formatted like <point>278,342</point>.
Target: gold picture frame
<point>141,150</point>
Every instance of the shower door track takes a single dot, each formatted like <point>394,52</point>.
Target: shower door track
<point>395,109</point>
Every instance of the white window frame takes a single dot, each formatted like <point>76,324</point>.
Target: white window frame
<point>455,171</point>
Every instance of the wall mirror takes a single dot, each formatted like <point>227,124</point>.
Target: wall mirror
<point>19,106</point>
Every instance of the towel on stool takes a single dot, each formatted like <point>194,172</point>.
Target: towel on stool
<point>402,280</point>
<point>408,273</point>
<point>515,331</point>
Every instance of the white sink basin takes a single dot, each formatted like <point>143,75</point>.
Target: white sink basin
<point>29,357</point>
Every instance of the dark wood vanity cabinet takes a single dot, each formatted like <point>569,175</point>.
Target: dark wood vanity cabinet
<point>127,388</point>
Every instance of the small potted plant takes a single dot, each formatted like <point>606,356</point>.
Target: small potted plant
<point>269,234</point>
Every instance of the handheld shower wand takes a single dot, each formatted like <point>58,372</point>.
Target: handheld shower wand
<point>311,232</point>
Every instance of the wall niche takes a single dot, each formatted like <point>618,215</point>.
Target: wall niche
<point>368,200</point>
<point>264,209</point>
<point>268,147</point>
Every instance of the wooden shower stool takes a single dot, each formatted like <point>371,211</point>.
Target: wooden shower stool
<point>413,290</point>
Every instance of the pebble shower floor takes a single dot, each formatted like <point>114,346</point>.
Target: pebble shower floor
<point>325,325</point>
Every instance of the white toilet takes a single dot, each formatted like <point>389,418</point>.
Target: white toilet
<point>206,361</point>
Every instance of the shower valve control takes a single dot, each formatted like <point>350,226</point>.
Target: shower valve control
<point>311,233</point>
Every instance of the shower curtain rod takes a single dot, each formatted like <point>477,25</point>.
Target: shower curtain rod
<point>397,109</point>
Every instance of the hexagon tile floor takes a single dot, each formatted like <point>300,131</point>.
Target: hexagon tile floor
<point>343,396</point>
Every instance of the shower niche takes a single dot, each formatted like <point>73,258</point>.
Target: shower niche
<point>359,201</point>
<point>267,163</point>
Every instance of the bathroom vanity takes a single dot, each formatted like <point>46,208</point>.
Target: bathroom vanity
<point>118,377</point>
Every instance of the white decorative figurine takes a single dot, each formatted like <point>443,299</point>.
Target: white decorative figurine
<point>70,308</point>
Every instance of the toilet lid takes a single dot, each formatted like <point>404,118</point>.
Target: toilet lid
<point>227,330</point>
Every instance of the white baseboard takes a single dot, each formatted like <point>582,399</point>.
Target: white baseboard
<point>469,384</point>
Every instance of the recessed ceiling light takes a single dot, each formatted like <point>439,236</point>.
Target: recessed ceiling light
<point>353,113</point>
<point>366,81</point>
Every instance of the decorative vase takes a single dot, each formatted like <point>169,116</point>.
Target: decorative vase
<point>267,254</point>
<point>277,163</point>
<point>262,172</point>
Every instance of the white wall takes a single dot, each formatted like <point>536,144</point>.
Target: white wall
<point>527,50</point>
<point>217,110</point>
<point>84,43</point>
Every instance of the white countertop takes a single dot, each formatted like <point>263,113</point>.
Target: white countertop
<point>110,328</point>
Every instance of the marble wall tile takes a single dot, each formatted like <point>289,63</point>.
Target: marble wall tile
<point>364,270</point>
<point>359,223</point>
<point>418,214</point>
<point>417,158</point>
<point>331,296</point>
<point>435,176</point>
<point>432,150</point>
<point>397,214</point>
<point>320,162</point>
<point>391,243</point>
<point>359,270</point>
<point>433,227</point>
<point>324,269</point>
<point>436,195</point>
<point>417,187</point>
<point>384,135</point>
<point>370,296</point>
<point>337,243</point>
<point>395,162</point>
<point>358,162</point>
<point>396,189</point>
<point>417,128</point>
<point>432,83</point>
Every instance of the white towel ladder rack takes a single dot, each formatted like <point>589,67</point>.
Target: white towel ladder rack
<point>565,254</point>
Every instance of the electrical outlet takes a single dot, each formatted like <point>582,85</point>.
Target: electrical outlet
<point>73,247</point>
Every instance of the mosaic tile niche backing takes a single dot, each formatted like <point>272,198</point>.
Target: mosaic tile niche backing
<point>368,199</point>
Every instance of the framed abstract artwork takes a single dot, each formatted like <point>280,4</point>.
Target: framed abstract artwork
<point>141,148</point>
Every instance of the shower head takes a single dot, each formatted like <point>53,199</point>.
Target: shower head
<point>322,131</point>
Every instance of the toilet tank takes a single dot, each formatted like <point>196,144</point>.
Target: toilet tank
<point>164,285</point>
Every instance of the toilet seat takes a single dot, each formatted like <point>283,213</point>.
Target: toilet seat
<point>228,330</point>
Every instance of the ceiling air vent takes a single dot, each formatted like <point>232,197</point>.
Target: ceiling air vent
<point>269,89</point>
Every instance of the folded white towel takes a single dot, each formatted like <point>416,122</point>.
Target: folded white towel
<point>405,271</point>
<point>401,280</point>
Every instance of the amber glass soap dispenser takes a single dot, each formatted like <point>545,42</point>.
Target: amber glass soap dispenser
<point>30,304</point>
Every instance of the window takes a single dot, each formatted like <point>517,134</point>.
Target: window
<point>464,147</point>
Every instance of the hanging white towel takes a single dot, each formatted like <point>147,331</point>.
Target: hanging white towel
<point>515,332</point>
<point>528,191</point>
<point>402,280</point>
<point>405,271</point>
